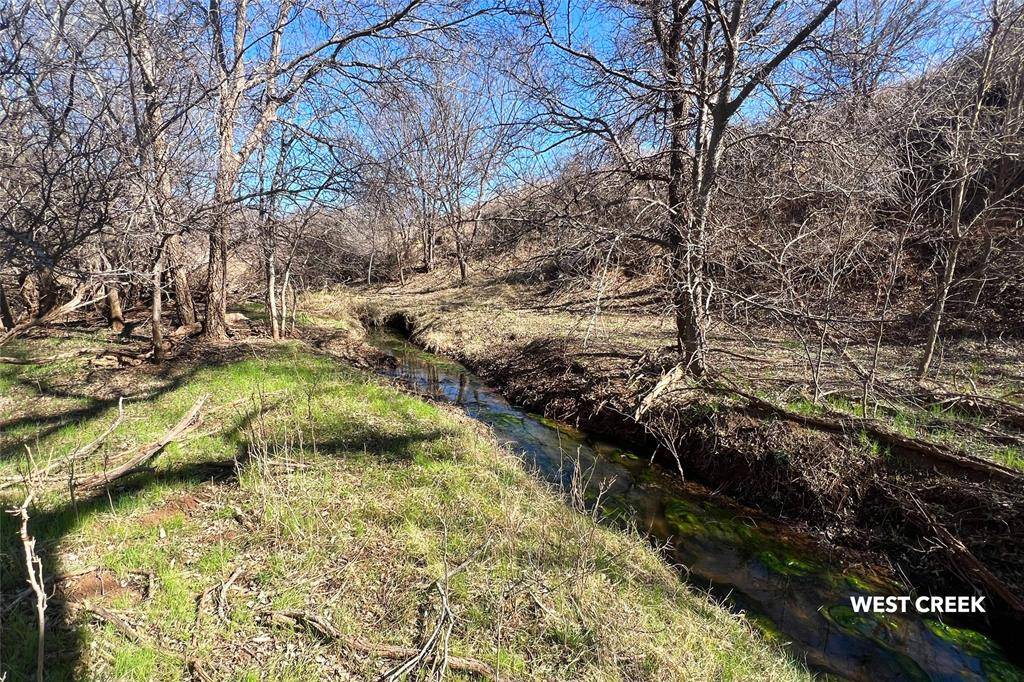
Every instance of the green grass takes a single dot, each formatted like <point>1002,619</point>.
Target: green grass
<point>353,498</point>
<point>945,426</point>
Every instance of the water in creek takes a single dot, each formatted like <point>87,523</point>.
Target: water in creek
<point>790,590</point>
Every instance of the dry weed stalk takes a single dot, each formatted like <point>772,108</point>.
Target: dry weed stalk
<point>34,568</point>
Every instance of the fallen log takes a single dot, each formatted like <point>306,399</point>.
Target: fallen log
<point>55,314</point>
<point>326,630</point>
<point>7,360</point>
<point>880,432</point>
<point>141,456</point>
<point>986,406</point>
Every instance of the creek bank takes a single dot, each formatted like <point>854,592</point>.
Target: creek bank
<point>850,492</point>
<point>779,579</point>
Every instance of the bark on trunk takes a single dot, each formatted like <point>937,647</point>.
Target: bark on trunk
<point>6,317</point>
<point>115,317</point>
<point>284,300</point>
<point>691,317</point>
<point>157,307</point>
<point>275,329</point>
<point>216,327</point>
<point>427,237</point>
<point>689,299</point>
<point>183,303</point>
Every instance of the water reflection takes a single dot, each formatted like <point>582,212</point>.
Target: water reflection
<point>784,585</point>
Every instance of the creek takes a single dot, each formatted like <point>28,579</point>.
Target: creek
<point>785,584</point>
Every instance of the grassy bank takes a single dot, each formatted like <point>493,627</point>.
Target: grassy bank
<point>314,524</point>
<point>880,482</point>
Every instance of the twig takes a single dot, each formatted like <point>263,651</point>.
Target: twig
<point>326,630</point>
<point>222,602</point>
<point>194,666</point>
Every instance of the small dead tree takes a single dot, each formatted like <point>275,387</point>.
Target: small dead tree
<point>976,122</point>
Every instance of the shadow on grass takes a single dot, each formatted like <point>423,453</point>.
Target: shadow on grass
<point>170,378</point>
<point>66,641</point>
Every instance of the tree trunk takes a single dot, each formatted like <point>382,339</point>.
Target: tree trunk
<point>157,307</point>
<point>981,273</point>
<point>295,302</point>
<point>943,287</point>
<point>691,316</point>
<point>216,327</point>
<point>115,318</point>
<point>183,303</point>
<point>6,317</point>
<point>275,328</point>
<point>687,258</point>
<point>284,299</point>
<point>957,227</point>
<point>40,292</point>
<point>427,237</point>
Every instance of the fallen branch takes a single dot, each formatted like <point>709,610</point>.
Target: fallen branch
<point>193,664</point>
<point>45,360</point>
<point>324,629</point>
<point>80,453</point>
<point>116,620</point>
<point>56,313</point>
<point>147,452</point>
<point>129,631</point>
<point>222,601</point>
<point>917,446</point>
<point>960,557</point>
<point>987,406</point>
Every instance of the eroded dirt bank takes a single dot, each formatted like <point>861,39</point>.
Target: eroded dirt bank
<point>933,515</point>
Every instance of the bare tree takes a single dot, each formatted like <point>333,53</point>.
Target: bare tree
<point>682,71</point>
<point>958,145</point>
<point>262,61</point>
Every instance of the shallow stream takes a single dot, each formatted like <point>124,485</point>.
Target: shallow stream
<point>787,586</point>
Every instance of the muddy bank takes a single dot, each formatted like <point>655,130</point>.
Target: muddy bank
<point>853,493</point>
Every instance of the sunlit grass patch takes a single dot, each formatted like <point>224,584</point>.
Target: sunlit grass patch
<point>310,486</point>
